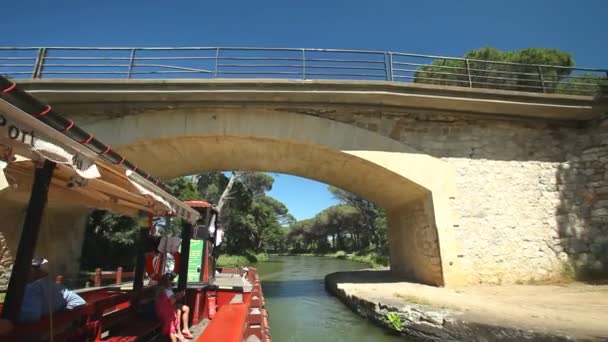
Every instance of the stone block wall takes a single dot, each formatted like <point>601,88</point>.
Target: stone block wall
<point>59,241</point>
<point>532,196</point>
<point>582,215</point>
<point>6,262</point>
<point>414,242</point>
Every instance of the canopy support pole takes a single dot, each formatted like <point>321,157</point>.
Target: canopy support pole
<point>182,282</point>
<point>27,241</point>
<point>145,224</point>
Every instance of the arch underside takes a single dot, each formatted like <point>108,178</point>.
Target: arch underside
<point>411,186</point>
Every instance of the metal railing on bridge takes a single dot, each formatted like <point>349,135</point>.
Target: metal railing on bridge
<point>293,63</point>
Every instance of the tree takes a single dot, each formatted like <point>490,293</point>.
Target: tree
<point>252,220</point>
<point>109,239</point>
<point>370,214</point>
<point>280,210</point>
<point>507,73</point>
<point>585,84</point>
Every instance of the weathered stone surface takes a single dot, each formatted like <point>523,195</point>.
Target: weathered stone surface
<point>519,186</point>
<point>6,262</point>
<point>428,323</point>
<point>513,175</point>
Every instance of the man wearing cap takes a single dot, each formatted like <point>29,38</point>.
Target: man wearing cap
<point>42,295</point>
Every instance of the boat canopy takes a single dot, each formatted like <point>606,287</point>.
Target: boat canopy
<point>88,172</point>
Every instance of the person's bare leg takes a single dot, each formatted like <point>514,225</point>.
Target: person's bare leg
<point>185,316</point>
<point>178,331</point>
<point>172,338</point>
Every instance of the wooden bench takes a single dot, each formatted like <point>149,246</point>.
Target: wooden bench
<point>106,310</point>
<point>63,326</point>
<point>127,324</point>
<point>136,329</point>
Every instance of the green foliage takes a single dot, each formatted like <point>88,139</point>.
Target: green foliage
<point>239,260</point>
<point>394,319</point>
<point>183,188</point>
<point>211,185</point>
<point>109,239</point>
<point>373,259</point>
<point>502,75</point>
<point>585,84</point>
<point>225,260</point>
<point>253,221</point>
<point>341,254</point>
<point>355,225</point>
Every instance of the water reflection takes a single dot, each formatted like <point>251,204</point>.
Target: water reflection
<point>301,310</point>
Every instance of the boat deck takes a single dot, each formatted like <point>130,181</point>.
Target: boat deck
<point>234,280</point>
<point>197,330</point>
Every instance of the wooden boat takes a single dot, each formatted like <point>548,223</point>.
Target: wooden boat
<point>69,164</point>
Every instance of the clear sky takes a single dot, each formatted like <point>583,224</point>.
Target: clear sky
<point>446,27</point>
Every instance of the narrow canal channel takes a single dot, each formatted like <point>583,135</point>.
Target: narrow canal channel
<point>301,310</point>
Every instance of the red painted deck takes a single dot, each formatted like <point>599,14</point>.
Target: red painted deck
<point>227,326</point>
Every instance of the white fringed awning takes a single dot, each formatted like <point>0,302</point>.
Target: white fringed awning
<point>81,177</point>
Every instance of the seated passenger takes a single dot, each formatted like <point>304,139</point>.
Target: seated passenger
<point>169,312</point>
<point>42,295</point>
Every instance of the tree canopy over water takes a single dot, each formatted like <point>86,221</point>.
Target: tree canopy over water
<point>253,221</point>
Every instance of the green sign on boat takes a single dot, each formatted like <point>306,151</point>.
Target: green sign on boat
<point>195,260</point>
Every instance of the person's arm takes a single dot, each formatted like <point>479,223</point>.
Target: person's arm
<point>72,300</point>
<point>169,293</point>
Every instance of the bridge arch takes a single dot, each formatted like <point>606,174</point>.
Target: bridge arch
<point>413,187</point>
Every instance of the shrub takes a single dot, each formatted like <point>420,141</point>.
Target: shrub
<point>394,320</point>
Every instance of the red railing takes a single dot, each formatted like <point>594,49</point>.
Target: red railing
<point>100,276</point>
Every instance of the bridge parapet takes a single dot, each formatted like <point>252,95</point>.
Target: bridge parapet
<point>295,63</point>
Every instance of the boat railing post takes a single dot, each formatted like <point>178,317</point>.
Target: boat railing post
<point>144,226</point>
<point>119,275</point>
<point>97,278</point>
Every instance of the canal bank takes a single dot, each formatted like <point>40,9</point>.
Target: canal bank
<point>574,312</point>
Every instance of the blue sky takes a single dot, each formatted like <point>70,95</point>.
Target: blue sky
<point>431,27</point>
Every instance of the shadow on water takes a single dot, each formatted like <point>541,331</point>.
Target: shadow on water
<point>294,288</point>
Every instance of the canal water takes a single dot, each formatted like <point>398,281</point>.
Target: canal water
<point>301,310</point>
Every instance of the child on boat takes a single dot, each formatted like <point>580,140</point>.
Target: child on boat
<point>169,313</point>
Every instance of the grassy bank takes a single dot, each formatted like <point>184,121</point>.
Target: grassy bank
<point>245,259</point>
<point>373,259</point>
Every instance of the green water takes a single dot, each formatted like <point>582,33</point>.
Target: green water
<point>301,310</point>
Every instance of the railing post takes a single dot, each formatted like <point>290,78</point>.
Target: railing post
<point>468,67</point>
<point>541,78</point>
<point>303,64</point>
<point>97,278</point>
<point>119,276</point>
<point>217,59</point>
<point>131,61</point>
<point>386,67</point>
<point>390,66</point>
<point>37,73</point>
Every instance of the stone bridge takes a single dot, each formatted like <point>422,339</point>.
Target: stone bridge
<point>480,186</point>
